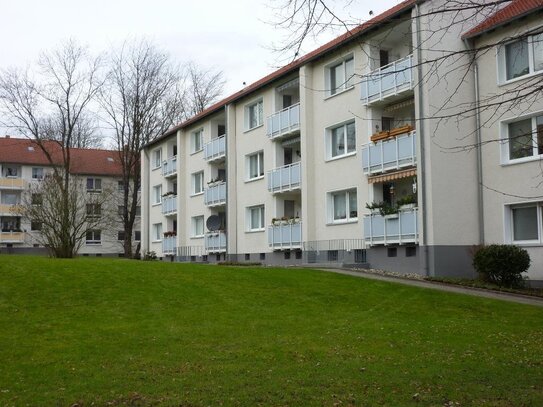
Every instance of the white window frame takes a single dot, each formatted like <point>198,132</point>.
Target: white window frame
<point>261,216</point>
<point>259,117</point>
<point>331,208</point>
<point>94,182</point>
<point>156,159</point>
<point>348,77</point>
<point>328,140</point>
<point>195,136</point>
<point>93,241</point>
<point>38,173</point>
<point>260,165</point>
<point>157,194</point>
<point>194,183</point>
<point>504,130</point>
<point>502,63</point>
<point>194,232</point>
<point>157,232</point>
<point>509,223</point>
<point>93,210</point>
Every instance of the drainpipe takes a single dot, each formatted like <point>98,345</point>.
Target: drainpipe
<point>479,147</point>
<point>226,139</point>
<point>420,136</point>
<point>146,198</point>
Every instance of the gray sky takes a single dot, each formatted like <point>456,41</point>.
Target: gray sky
<point>229,35</point>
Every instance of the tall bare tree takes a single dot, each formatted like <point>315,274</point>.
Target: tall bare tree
<point>50,104</point>
<point>203,89</point>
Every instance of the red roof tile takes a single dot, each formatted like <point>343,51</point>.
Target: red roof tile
<point>83,161</point>
<point>514,10</point>
<point>342,39</point>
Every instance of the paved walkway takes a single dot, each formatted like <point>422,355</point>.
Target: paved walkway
<point>522,299</point>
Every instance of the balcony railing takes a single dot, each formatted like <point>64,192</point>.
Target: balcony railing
<point>12,237</point>
<point>286,178</point>
<point>215,149</point>
<point>12,183</point>
<point>215,242</point>
<point>169,205</point>
<point>284,122</point>
<point>388,155</point>
<point>215,195</point>
<point>388,80</point>
<point>169,245</point>
<point>169,166</point>
<point>9,210</point>
<point>399,228</point>
<point>285,237</point>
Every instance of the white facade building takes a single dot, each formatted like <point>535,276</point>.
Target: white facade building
<point>286,170</point>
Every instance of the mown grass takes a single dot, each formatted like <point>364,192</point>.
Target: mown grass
<point>113,332</point>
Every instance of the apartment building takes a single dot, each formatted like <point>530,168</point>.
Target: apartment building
<point>363,152</point>
<point>22,163</point>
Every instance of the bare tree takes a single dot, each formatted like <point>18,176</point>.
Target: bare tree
<point>50,106</point>
<point>144,96</point>
<point>204,88</point>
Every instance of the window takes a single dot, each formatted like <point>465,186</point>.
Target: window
<point>344,207</point>
<point>93,237</point>
<point>198,183</point>
<point>254,115</point>
<point>9,198</point>
<point>255,218</point>
<point>94,184</point>
<point>521,57</point>
<point>37,173</point>
<point>138,210</point>
<point>526,223</point>
<point>120,185</point>
<point>342,140</point>
<point>157,232</point>
<point>196,141</point>
<point>35,225</point>
<point>137,235</point>
<point>197,226</point>
<point>10,171</point>
<point>94,210</point>
<point>525,138</point>
<point>120,235</point>
<point>255,165</point>
<point>157,194</point>
<point>340,76</point>
<point>157,158</point>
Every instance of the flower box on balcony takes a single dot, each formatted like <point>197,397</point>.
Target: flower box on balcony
<point>383,135</point>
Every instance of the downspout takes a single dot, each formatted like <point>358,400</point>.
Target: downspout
<point>479,146</point>
<point>227,137</point>
<point>147,212</point>
<point>420,136</point>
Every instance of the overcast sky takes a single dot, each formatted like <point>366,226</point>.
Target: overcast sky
<point>230,35</point>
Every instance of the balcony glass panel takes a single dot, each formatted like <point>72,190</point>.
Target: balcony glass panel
<point>285,236</point>
<point>391,229</point>
<point>169,166</point>
<point>284,122</point>
<point>215,149</point>
<point>285,178</point>
<point>388,80</point>
<point>169,204</point>
<point>215,195</point>
<point>169,245</point>
<point>215,242</point>
<point>391,154</point>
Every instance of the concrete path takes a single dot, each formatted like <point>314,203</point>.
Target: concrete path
<point>522,299</point>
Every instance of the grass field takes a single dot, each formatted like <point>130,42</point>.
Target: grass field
<point>115,332</point>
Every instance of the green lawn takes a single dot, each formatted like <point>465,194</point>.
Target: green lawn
<point>117,332</point>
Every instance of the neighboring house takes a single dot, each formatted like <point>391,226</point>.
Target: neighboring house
<point>281,172</point>
<point>22,162</point>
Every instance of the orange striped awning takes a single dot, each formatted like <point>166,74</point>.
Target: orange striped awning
<point>411,172</point>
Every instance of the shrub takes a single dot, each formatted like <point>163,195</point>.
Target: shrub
<point>149,256</point>
<point>502,264</point>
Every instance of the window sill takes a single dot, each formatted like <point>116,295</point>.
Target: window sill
<point>341,92</point>
<point>93,244</point>
<point>255,230</point>
<point>339,157</point>
<point>520,78</point>
<point>254,128</point>
<point>197,194</point>
<point>156,168</point>
<point>254,179</point>
<point>197,237</point>
<point>522,160</point>
<point>196,151</point>
<point>342,222</point>
<point>156,204</point>
<point>156,241</point>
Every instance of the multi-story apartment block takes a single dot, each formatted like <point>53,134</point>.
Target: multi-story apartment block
<point>22,163</point>
<point>364,152</point>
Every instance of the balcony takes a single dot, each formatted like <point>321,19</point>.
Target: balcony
<point>9,210</point>
<point>169,205</point>
<point>285,236</point>
<point>399,228</point>
<point>215,242</point>
<point>284,122</point>
<point>387,81</point>
<point>12,183</point>
<point>390,155</point>
<point>169,167</point>
<point>215,195</point>
<point>169,246</point>
<point>286,178</point>
<point>216,149</point>
<point>12,237</point>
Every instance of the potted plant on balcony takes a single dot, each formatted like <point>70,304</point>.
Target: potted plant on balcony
<point>375,207</point>
<point>388,211</point>
<point>276,221</point>
<point>407,202</point>
<point>169,193</point>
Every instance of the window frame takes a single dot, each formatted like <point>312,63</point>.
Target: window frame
<point>331,206</point>
<point>156,157</point>
<point>156,232</point>
<point>193,224</point>
<point>509,223</point>
<point>93,210</point>
<point>260,117</point>
<point>259,163</point>
<point>502,59</point>
<point>249,218</point>
<point>505,139</point>
<point>94,181</point>
<point>348,77</point>
<point>38,170</point>
<point>193,183</point>
<point>329,139</point>
<point>193,136</point>
<point>93,241</point>
<point>157,194</point>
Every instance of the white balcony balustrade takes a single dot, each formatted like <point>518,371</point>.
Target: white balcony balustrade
<point>389,80</point>
<point>215,195</point>
<point>284,122</point>
<point>285,178</point>
<point>169,246</point>
<point>399,228</point>
<point>285,236</point>
<point>215,149</point>
<point>169,205</point>
<point>390,155</point>
<point>215,242</point>
<point>12,183</point>
<point>12,237</point>
<point>169,167</point>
